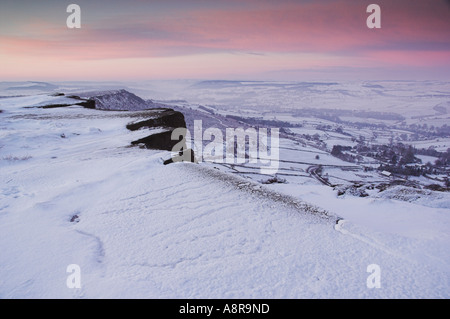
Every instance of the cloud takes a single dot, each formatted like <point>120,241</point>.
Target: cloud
<point>289,26</point>
<point>262,29</point>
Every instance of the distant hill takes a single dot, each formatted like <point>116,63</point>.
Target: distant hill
<point>118,100</point>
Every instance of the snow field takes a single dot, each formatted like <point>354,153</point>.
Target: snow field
<point>145,230</point>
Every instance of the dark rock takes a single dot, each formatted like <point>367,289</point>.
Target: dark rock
<point>166,118</point>
<point>169,120</point>
<point>187,155</point>
<point>53,106</point>
<point>89,104</point>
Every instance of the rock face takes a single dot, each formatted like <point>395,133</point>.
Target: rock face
<point>158,141</point>
<point>85,103</point>
<point>116,100</point>
<point>168,120</point>
<point>164,118</point>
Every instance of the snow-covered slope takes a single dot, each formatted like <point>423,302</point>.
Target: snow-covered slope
<point>72,191</point>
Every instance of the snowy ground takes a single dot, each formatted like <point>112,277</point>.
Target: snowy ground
<point>145,230</point>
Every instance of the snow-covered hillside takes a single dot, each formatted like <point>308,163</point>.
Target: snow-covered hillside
<point>73,191</point>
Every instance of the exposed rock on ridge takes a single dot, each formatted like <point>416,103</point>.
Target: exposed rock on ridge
<point>166,119</point>
<point>117,100</point>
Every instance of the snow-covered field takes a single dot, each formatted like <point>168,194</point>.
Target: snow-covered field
<point>72,191</point>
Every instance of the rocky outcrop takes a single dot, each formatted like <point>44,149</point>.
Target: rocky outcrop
<point>158,141</point>
<point>160,122</point>
<point>164,118</point>
<point>168,120</point>
<point>66,101</point>
<point>116,100</point>
<point>87,104</point>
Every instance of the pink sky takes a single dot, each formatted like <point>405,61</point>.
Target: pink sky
<point>283,40</point>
